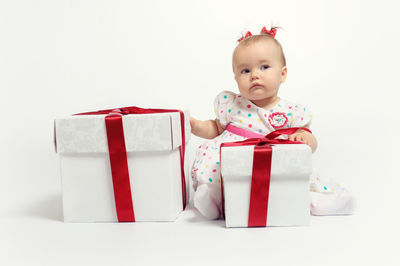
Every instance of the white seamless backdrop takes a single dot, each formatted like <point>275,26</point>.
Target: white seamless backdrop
<point>63,57</point>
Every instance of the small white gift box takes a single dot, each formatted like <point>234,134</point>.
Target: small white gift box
<point>152,143</point>
<point>288,196</point>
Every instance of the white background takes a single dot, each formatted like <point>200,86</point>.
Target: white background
<point>64,57</point>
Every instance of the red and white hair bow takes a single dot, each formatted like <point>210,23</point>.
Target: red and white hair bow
<point>264,30</point>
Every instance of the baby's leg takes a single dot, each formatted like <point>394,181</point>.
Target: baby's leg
<point>206,181</point>
<point>330,198</point>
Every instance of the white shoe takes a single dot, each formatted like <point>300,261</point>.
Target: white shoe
<point>332,203</point>
<point>205,204</point>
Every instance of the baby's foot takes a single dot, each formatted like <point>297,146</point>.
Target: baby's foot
<point>332,203</point>
<point>205,204</point>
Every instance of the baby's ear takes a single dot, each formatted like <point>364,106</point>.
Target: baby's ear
<point>283,74</point>
<point>235,77</point>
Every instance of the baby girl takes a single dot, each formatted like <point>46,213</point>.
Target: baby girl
<point>259,68</point>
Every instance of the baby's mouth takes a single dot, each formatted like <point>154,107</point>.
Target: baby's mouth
<point>255,85</point>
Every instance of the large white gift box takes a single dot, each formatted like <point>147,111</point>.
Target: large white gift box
<point>288,196</point>
<point>152,143</point>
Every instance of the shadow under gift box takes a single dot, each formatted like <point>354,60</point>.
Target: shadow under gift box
<point>289,195</point>
<point>152,145</point>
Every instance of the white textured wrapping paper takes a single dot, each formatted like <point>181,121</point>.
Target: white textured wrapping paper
<point>289,196</point>
<point>143,132</point>
<point>152,144</point>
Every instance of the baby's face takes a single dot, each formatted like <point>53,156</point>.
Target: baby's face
<point>259,70</point>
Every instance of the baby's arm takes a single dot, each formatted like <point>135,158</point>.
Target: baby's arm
<point>206,129</point>
<point>306,137</point>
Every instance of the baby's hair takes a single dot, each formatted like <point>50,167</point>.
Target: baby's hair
<point>263,36</point>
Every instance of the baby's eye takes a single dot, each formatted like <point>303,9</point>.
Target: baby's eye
<point>264,67</point>
<point>245,71</point>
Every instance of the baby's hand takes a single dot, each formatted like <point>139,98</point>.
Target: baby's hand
<point>196,126</point>
<point>305,137</point>
<point>205,129</point>
<point>193,124</point>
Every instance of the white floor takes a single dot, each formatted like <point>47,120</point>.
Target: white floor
<point>32,233</point>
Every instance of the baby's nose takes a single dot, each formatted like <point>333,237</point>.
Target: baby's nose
<point>254,75</point>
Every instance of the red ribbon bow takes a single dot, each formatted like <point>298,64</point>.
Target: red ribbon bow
<point>248,34</point>
<point>118,158</point>
<point>264,30</point>
<point>261,174</point>
<point>271,32</point>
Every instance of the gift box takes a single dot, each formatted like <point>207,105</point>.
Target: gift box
<point>123,165</point>
<point>266,183</point>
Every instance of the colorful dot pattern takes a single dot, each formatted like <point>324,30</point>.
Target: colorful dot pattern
<point>234,109</point>
<point>231,108</point>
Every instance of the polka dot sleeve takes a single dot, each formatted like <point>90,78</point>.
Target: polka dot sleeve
<point>222,106</point>
<point>301,117</point>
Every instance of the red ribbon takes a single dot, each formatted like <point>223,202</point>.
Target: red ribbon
<point>118,158</point>
<point>264,30</point>
<point>261,175</point>
<point>248,34</point>
<point>271,32</point>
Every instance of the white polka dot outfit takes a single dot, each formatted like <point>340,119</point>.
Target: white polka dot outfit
<point>234,109</point>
